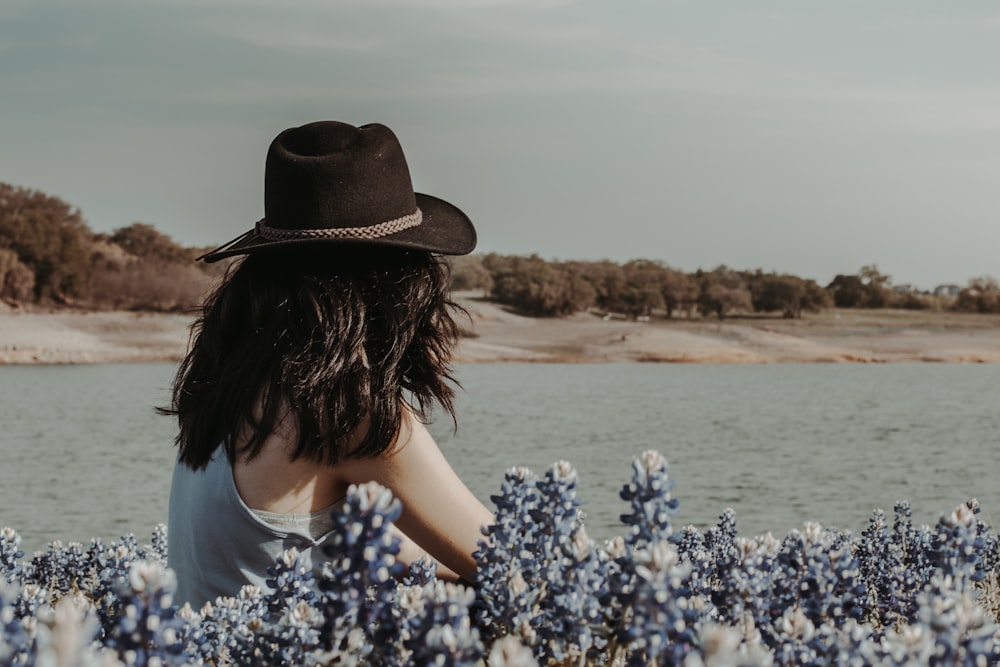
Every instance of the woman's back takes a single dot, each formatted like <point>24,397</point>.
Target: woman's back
<point>218,544</point>
<point>273,481</point>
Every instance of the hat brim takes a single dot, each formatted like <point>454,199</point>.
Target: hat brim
<point>444,229</point>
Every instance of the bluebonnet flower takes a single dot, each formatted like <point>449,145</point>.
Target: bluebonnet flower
<point>157,549</point>
<point>949,629</point>
<point>16,642</point>
<point>659,614</point>
<point>898,566</point>
<point>60,569</point>
<point>437,627</point>
<point>658,603</point>
<point>781,592</point>
<point>648,494</point>
<point>915,568</point>
<point>147,629</point>
<point>881,564</point>
<point>94,572</point>
<point>509,652</point>
<point>31,600</point>
<point>956,549</point>
<point>964,633</point>
<point>291,581</point>
<point>292,632</point>
<point>357,583</point>
<point>722,646</point>
<point>421,572</point>
<point>819,574</point>
<point>103,571</point>
<point>713,556</point>
<point>292,637</point>
<point>65,635</point>
<point>740,575</point>
<point>506,560</point>
<point>570,611</point>
<point>228,630</point>
<point>547,594</point>
<point>10,555</point>
<point>540,576</point>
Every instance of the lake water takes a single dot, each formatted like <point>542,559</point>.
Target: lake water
<point>82,454</point>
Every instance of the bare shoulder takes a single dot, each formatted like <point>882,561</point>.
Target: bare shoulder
<point>412,441</point>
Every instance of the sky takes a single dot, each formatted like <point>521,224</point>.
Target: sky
<point>800,137</point>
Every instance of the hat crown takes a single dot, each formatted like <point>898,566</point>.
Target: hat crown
<point>330,175</point>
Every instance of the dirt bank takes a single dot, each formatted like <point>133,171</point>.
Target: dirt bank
<point>497,336</point>
<point>835,336</point>
<point>72,337</point>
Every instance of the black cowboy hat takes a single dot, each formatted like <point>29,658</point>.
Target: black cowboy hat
<point>331,182</point>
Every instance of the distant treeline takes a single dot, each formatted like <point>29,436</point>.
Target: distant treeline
<point>49,255</point>
<point>645,288</point>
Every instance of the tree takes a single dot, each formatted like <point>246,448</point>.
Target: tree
<point>679,290</point>
<point>642,288</point>
<point>722,292</point>
<point>982,295</point>
<point>877,287</point>
<point>469,273</point>
<point>143,240</point>
<point>608,281</point>
<point>17,281</point>
<point>784,293</point>
<point>49,238</point>
<point>787,294</point>
<point>848,291</point>
<point>816,297</point>
<point>533,286</point>
<point>151,285</point>
<point>869,288</point>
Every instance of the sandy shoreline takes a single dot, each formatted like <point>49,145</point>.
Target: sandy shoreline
<point>70,337</point>
<point>67,337</point>
<point>833,336</point>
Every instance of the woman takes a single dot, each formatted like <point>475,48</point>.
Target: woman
<point>313,367</point>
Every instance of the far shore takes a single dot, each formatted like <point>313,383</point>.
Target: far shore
<point>496,335</point>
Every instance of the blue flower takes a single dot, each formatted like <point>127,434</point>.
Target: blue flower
<point>545,593</point>
<point>358,583</point>
<point>148,629</point>
<point>659,615</point>
<point>539,576</point>
<point>648,494</point>
<point>16,642</point>
<point>437,627</point>
<point>10,555</point>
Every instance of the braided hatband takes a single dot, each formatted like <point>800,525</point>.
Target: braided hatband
<point>376,231</point>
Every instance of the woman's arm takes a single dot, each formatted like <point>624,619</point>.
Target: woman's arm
<point>440,514</point>
<point>410,552</point>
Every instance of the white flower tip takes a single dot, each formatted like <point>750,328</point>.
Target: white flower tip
<point>148,575</point>
<point>562,470</point>
<point>812,531</point>
<point>249,592</point>
<point>509,652</point>
<point>521,473</point>
<point>963,515</point>
<point>653,461</point>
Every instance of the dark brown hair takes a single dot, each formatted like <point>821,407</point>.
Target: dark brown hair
<point>339,336</point>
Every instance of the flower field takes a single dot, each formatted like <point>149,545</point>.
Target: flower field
<point>545,594</point>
